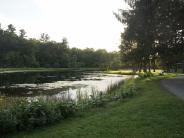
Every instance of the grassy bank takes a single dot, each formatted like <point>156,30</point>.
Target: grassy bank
<point>14,70</point>
<point>130,72</point>
<point>121,72</point>
<point>152,113</point>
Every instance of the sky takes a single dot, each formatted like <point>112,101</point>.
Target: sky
<point>85,23</point>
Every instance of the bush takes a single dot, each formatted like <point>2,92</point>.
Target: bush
<point>30,114</point>
<point>8,121</point>
<point>66,109</point>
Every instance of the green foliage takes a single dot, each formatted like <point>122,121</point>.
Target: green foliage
<point>8,121</point>
<point>145,75</point>
<point>122,72</point>
<point>17,51</point>
<point>66,109</point>
<point>128,90</point>
<point>154,34</point>
<point>97,100</point>
<point>121,92</point>
<point>31,114</point>
<point>112,89</point>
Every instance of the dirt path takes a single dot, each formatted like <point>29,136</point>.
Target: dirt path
<point>175,86</point>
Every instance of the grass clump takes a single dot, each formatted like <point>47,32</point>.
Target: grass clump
<point>122,90</point>
<point>129,89</point>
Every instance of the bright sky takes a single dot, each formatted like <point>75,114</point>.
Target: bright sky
<point>85,23</point>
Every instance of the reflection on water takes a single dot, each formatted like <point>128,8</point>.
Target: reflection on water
<point>56,84</point>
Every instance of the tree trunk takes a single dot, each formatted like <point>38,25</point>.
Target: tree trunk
<point>154,65</point>
<point>145,68</point>
<point>149,66</point>
<point>176,68</point>
<point>140,67</point>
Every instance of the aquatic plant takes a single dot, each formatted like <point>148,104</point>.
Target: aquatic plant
<point>128,89</point>
<point>96,98</point>
<point>112,88</point>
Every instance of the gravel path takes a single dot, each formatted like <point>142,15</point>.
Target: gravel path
<point>175,86</point>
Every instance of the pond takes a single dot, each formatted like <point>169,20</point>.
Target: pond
<point>56,84</point>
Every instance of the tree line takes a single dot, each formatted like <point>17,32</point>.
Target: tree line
<point>18,51</point>
<point>154,34</point>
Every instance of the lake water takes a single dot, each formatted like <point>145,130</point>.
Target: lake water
<point>56,84</point>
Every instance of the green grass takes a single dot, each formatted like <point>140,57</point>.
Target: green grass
<point>121,72</point>
<point>14,70</point>
<point>153,113</point>
<point>130,72</point>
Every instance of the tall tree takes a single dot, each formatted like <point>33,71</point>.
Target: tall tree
<point>154,29</point>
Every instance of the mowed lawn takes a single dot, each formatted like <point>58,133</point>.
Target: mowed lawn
<point>152,113</point>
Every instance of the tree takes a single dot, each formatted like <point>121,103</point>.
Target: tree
<point>154,31</point>
<point>22,33</point>
<point>170,32</point>
<point>44,37</point>
<point>11,28</point>
<point>18,51</point>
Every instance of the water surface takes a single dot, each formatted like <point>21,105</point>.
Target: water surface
<point>56,84</point>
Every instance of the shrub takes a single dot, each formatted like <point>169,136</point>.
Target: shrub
<point>66,109</point>
<point>30,114</point>
<point>8,121</point>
